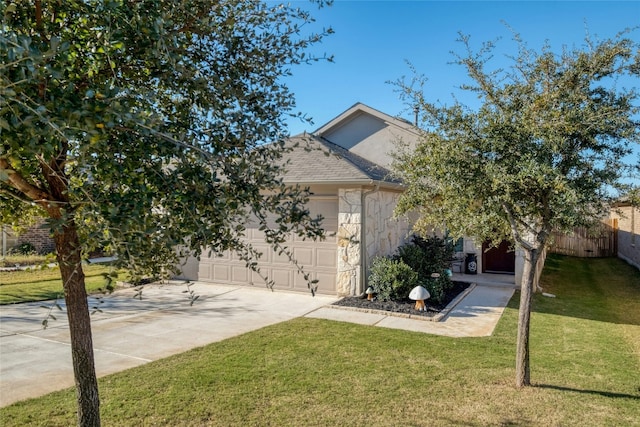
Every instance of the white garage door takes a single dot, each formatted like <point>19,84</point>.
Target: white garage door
<point>317,258</point>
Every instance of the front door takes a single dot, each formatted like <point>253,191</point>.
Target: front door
<point>500,259</point>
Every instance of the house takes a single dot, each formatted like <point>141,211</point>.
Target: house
<point>38,236</point>
<point>628,226</point>
<point>346,165</point>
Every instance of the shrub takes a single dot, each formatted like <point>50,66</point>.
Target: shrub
<point>437,287</point>
<point>392,279</point>
<point>24,248</point>
<point>414,257</point>
<point>428,256</point>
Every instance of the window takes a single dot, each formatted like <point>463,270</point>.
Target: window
<point>458,245</point>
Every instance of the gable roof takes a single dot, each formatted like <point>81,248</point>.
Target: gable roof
<point>360,108</point>
<point>314,160</point>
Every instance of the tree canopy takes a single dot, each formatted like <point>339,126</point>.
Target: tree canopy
<point>156,112</point>
<point>146,126</point>
<point>543,151</point>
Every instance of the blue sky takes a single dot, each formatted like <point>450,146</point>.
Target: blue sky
<point>374,39</point>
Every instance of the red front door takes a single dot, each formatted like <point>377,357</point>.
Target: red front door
<point>498,260</point>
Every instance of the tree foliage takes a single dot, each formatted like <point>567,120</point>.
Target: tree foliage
<point>156,112</point>
<point>146,126</point>
<point>544,150</point>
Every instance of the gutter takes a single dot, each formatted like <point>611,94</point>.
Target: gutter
<point>377,183</point>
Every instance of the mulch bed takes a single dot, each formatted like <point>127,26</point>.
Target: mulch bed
<point>406,306</point>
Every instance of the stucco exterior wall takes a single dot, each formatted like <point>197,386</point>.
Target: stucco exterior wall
<point>370,138</point>
<point>628,230</point>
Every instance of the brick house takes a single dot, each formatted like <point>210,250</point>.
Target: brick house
<point>37,235</point>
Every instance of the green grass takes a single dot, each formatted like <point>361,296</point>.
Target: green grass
<point>31,259</point>
<point>311,372</point>
<point>45,283</point>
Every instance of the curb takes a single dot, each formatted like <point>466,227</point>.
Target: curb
<point>437,317</point>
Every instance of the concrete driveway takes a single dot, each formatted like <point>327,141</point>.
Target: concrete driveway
<point>129,332</point>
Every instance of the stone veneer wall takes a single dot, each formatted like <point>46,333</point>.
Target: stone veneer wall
<point>349,236</point>
<point>382,234</point>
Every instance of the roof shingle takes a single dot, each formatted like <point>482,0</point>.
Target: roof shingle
<point>316,160</point>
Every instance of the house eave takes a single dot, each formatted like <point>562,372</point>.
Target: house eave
<point>364,182</point>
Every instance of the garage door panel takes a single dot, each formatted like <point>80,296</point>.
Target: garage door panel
<point>299,239</point>
<point>204,271</point>
<point>299,284</point>
<point>221,272</point>
<point>240,274</point>
<point>214,257</point>
<point>280,259</point>
<point>325,280</point>
<point>266,252</point>
<point>255,278</point>
<point>281,278</point>
<point>304,256</point>
<point>255,234</point>
<point>326,258</point>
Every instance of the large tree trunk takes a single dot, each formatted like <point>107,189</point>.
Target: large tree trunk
<point>523,374</point>
<point>69,255</point>
<point>75,295</point>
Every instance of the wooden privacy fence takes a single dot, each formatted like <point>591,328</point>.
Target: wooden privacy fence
<point>600,241</point>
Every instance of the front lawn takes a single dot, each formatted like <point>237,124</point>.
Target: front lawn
<point>44,283</point>
<point>309,372</point>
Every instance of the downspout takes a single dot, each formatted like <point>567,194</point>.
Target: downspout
<point>364,256</point>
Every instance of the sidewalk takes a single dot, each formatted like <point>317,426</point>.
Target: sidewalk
<point>129,332</point>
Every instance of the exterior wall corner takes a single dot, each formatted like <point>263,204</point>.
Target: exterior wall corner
<point>349,246</point>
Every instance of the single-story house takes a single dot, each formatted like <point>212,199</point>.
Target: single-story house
<point>353,189</point>
<point>628,227</point>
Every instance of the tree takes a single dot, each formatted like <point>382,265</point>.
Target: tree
<point>149,128</point>
<point>542,152</point>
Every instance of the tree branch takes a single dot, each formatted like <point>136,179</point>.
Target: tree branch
<point>514,222</point>
<point>17,181</point>
<point>13,195</point>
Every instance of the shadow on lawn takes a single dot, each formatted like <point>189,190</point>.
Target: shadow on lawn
<point>592,392</point>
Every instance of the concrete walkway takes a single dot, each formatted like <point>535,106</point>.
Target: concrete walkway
<point>475,316</point>
<point>130,332</point>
